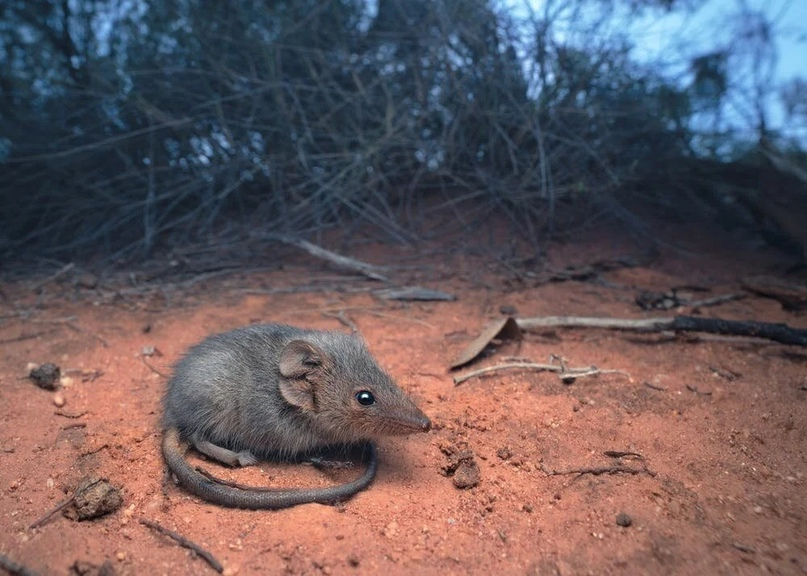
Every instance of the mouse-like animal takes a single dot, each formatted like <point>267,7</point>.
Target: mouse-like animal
<point>274,391</point>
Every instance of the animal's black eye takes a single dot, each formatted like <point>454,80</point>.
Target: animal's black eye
<point>365,398</point>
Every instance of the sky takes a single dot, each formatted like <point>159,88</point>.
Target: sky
<point>715,25</point>
<point>671,40</point>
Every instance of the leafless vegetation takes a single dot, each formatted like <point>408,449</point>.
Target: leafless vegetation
<point>127,127</point>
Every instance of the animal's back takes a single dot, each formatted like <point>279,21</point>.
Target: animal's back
<point>225,390</point>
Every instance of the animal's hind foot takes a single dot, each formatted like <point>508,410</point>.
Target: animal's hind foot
<point>225,456</point>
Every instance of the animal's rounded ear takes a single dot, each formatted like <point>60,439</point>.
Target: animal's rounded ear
<point>298,392</point>
<point>299,359</point>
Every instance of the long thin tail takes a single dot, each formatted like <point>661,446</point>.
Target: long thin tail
<point>196,483</point>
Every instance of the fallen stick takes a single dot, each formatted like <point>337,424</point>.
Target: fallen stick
<point>777,332</point>
<point>51,513</point>
<point>68,321</point>
<point>566,374</point>
<point>343,319</point>
<point>714,301</point>
<point>60,272</point>
<point>24,337</point>
<point>185,543</point>
<point>792,296</point>
<point>597,471</point>
<point>372,272</point>
<point>153,369</point>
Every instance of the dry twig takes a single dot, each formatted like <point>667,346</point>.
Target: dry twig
<point>343,319</point>
<point>152,368</point>
<point>74,425</point>
<point>23,337</point>
<point>368,270</point>
<point>48,515</point>
<point>694,389</point>
<point>68,321</point>
<point>599,470</point>
<point>655,386</point>
<point>67,415</point>
<point>566,374</point>
<point>60,272</point>
<point>715,300</point>
<point>777,332</point>
<point>184,542</point>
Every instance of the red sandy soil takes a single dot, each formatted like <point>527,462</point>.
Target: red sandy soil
<point>721,427</point>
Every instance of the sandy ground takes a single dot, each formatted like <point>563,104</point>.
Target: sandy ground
<point>715,482</point>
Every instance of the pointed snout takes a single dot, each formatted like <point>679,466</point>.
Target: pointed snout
<point>414,421</point>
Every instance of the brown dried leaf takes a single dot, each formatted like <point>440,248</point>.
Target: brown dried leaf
<point>504,328</point>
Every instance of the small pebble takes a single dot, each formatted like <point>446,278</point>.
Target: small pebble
<point>391,529</point>
<point>504,453</point>
<point>623,520</point>
<point>58,400</point>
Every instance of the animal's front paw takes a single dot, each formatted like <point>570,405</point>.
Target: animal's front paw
<point>246,458</point>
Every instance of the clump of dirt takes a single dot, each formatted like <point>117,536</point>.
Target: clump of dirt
<point>94,497</point>
<point>461,466</point>
<point>46,376</point>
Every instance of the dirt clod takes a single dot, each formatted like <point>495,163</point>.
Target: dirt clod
<point>467,475</point>
<point>46,376</point>
<point>461,467</point>
<point>94,497</point>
